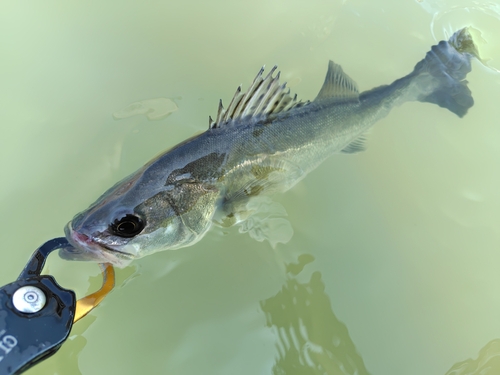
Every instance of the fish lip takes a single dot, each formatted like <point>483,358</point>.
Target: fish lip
<point>102,252</point>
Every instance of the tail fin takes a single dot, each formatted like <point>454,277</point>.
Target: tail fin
<point>440,77</point>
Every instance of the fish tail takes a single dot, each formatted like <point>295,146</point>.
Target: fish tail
<point>440,77</point>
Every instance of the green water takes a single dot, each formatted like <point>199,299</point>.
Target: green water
<point>393,266</point>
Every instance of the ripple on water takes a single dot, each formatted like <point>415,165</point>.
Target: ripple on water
<point>484,23</point>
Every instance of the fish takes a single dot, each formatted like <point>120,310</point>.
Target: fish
<point>263,143</point>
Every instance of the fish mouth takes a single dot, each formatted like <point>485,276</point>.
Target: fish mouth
<point>84,248</point>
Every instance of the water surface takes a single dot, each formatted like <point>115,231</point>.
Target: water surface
<point>393,265</point>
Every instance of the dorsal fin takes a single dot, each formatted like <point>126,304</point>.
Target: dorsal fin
<point>338,85</point>
<point>263,100</point>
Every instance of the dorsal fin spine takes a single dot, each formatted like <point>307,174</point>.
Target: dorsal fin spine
<point>256,96</point>
<point>276,100</point>
<point>234,103</point>
<point>270,74</point>
<point>273,101</point>
<point>259,94</point>
<point>235,97</point>
<point>270,91</point>
<point>240,107</point>
<point>251,92</point>
<point>284,101</point>
<point>220,112</point>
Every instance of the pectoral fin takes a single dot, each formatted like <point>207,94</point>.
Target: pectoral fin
<point>262,219</point>
<point>358,145</point>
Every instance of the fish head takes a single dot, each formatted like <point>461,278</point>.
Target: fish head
<point>134,219</point>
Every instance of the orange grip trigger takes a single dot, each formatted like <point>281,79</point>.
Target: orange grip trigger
<point>87,304</point>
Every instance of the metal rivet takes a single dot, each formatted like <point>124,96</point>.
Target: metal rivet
<point>29,299</point>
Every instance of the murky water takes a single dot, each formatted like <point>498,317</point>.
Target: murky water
<point>393,265</point>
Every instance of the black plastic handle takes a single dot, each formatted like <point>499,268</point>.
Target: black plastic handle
<point>31,331</point>
<point>37,261</point>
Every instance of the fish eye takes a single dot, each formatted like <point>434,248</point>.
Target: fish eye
<point>127,226</point>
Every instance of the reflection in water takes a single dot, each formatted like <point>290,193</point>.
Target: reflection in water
<point>487,363</point>
<point>311,340</point>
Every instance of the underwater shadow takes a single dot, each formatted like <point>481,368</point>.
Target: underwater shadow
<point>311,339</point>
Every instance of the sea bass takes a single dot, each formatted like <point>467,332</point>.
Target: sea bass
<point>263,143</point>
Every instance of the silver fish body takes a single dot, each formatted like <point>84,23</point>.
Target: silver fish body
<point>264,143</point>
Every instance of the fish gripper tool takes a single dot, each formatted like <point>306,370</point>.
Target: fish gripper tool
<point>36,313</point>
